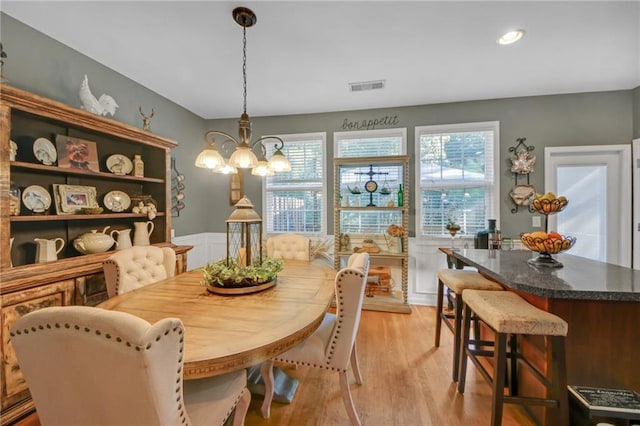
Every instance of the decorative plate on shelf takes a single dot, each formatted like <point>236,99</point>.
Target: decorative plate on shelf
<point>36,199</point>
<point>117,201</point>
<point>45,151</point>
<point>118,164</point>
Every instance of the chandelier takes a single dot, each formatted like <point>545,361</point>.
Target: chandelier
<point>243,155</point>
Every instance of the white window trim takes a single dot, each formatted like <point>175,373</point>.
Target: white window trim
<point>376,133</point>
<point>323,217</point>
<point>494,209</point>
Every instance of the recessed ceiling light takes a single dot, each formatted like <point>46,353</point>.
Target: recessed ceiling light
<point>511,37</point>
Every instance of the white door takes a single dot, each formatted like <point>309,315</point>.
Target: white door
<point>597,182</point>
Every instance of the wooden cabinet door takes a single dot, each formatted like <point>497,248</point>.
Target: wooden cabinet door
<point>14,390</point>
<point>91,290</point>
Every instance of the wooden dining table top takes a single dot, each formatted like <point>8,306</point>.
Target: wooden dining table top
<point>226,333</point>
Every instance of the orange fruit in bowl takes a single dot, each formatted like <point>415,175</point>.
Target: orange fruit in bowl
<point>554,236</point>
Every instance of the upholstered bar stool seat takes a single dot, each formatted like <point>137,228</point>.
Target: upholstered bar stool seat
<point>509,315</point>
<point>457,280</point>
<point>506,312</point>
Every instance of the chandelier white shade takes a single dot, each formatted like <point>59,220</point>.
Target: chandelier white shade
<point>243,156</point>
<point>209,158</point>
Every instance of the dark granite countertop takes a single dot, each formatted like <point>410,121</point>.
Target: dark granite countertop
<point>579,279</point>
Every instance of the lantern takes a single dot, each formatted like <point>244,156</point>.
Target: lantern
<point>244,234</point>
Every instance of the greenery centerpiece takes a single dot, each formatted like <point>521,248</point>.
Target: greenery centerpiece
<point>231,276</point>
<point>229,273</point>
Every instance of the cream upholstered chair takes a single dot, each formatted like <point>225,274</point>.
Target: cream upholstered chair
<point>90,366</point>
<point>333,345</point>
<point>137,267</point>
<point>289,246</point>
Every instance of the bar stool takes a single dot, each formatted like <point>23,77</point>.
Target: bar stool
<point>508,314</point>
<point>457,280</point>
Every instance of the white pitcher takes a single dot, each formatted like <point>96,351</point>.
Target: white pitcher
<point>123,239</point>
<point>142,232</point>
<point>47,250</point>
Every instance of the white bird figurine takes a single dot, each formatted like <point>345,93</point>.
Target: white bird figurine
<point>103,106</point>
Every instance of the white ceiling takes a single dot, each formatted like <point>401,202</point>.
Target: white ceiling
<point>302,55</point>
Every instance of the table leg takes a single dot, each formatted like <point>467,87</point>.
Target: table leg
<point>285,386</point>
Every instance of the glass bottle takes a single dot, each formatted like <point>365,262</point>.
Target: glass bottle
<point>400,196</point>
<point>14,200</point>
<point>138,166</point>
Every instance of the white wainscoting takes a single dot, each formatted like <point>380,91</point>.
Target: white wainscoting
<point>207,247</point>
<point>424,260</point>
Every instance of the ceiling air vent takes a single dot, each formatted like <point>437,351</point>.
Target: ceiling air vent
<point>366,85</point>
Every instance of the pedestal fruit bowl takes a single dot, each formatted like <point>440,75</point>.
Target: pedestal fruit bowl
<point>544,242</point>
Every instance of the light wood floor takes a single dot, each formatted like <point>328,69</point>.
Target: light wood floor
<point>406,382</point>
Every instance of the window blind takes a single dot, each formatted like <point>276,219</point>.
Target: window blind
<point>457,177</point>
<point>295,201</point>
<point>370,143</point>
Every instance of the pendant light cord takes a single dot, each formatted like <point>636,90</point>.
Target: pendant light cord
<point>244,66</point>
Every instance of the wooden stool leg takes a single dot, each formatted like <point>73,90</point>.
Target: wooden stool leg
<point>559,378</point>
<point>499,370</point>
<point>512,379</point>
<point>439,312</point>
<point>462,373</point>
<point>476,328</point>
<point>457,333</point>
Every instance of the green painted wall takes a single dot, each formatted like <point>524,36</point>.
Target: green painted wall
<point>559,120</point>
<point>44,66</point>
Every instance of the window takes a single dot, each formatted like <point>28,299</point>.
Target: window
<point>295,201</point>
<point>370,143</point>
<point>456,165</point>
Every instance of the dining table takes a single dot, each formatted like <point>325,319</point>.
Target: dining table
<point>226,333</point>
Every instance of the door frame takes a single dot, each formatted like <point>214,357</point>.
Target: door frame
<point>624,216</point>
<point>635,165</point>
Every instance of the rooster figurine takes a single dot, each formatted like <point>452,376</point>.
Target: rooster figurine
<point>103,106</point>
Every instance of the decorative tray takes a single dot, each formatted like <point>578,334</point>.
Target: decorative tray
<point>36,199</point>
<point>118,164</point>
<point>45,151</point>
<point>117,201</point>
<point>241,289</point>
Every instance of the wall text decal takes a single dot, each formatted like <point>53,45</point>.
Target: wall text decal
<point>389,120</point>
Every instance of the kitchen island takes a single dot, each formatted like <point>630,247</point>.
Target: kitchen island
<point>599,301</point>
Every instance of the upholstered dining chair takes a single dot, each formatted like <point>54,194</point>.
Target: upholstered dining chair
<point>333,345</point>
<point>113,368</point>
<point>289,246</point>
<point>135,267</point>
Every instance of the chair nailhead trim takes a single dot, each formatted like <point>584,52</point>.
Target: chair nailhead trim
<point>128,344</point>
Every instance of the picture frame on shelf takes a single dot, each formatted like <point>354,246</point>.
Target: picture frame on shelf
<point>77,154</point>
<point>71,199</point>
